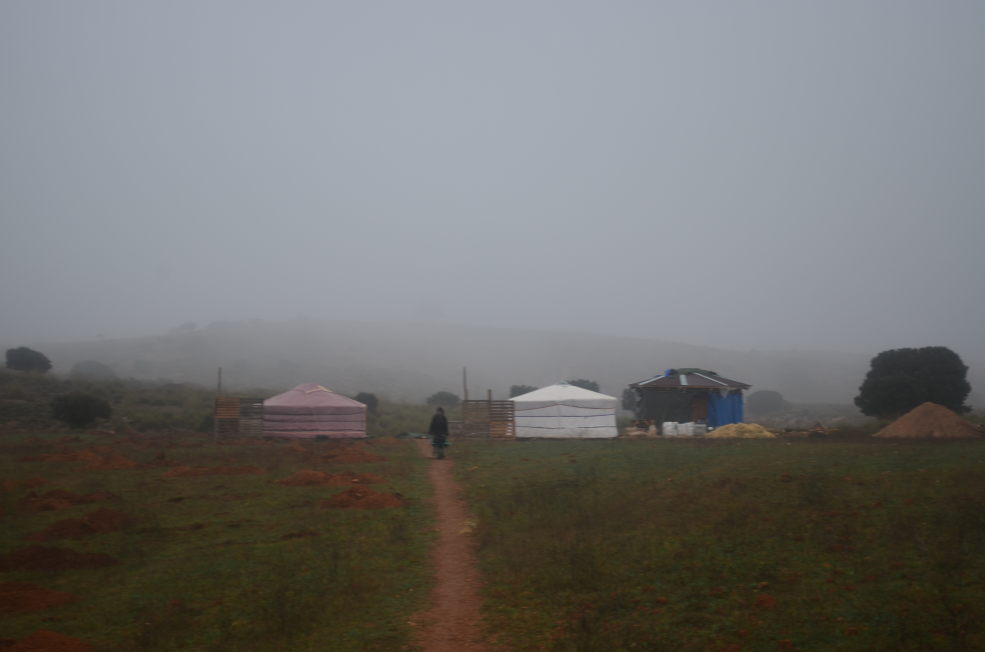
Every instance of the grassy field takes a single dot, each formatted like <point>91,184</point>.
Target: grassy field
<point>229,559</point>
<point>731,545</point>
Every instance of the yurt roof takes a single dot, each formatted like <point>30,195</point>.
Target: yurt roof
<point>311,395</point>
<point>562,392</point>
<point>689,378</point>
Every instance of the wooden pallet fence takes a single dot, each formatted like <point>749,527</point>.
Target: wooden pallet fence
<point>492,419</point>
<point>238,417</point>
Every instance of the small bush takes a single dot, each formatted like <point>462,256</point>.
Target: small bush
<point>25,359</point>
<point>79,410</point>
<point>444,399</point>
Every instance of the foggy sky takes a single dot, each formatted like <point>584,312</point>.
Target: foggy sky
<point>765,175</point>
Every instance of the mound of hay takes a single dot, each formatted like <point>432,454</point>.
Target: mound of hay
<point>930,421</point>
<point>741,431</point>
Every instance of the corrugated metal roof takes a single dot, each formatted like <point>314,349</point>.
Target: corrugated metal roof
<point>692,379</point>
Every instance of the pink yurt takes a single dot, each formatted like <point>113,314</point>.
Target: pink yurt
<point>310,411</point>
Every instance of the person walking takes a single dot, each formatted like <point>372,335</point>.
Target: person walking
<point>439,433</point>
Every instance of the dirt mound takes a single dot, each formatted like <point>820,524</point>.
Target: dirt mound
<point>363,498</point>
<point>18,598</point>
<point>741,431</point>
<point>60,499</point>
<point>930,421</point>
<point>309,477</point>
<point>193,471</point>
<point>44,558</point>
<point>45,641</point>
<point>352,455</point>
<point>97,522</point>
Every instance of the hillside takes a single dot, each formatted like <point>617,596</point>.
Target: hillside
<point>408,361</point>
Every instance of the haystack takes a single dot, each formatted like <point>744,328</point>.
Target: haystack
<point>741,431</point>
<point>930,421</point>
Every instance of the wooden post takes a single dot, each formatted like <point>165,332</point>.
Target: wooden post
<point>215,405</point>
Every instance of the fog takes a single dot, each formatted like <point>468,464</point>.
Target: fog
<point>755,175</point>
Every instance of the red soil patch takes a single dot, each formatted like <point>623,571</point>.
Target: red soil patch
<point>112,462</point>
<point>45,641</point>
<point>353,455</point>
<point>453,623</point>
<point>363,498</point>
<point>193,471</point>
<point>18,598</point>
<point>309,477</point>
<point>60,499</point>
<point>931,421</point>
<point>32,483</point>
<point>97,522</point>
<point>44,558</point>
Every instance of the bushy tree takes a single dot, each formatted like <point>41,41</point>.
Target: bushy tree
<point>369,400</point>
<point>585,384</point>
<point>79,410</point>
<point>901,379</point>
<point>444,399</point>
<point>517,390</point>
<point>25,359</point>
<point>766,401</point>
<point>92,370</point>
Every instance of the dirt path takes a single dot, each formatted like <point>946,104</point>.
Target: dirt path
<point>453,622</point>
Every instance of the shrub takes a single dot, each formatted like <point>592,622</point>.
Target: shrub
<point>79,410</point>
<point>517,390</point>
<point>901,379</point>
<point>369,400</point>
<point>25,359</point>
<point>444,399</point>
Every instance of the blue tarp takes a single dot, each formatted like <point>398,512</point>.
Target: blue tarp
<point>723,410</point>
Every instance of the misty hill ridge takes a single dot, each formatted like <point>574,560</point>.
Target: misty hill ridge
<point>407,361</point>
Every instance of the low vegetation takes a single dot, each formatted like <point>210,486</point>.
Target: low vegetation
<point>175,542</point>
<point>148,407</point>
<point>731,545</point>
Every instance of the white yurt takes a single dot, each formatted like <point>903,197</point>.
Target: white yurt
<point>565,411</point>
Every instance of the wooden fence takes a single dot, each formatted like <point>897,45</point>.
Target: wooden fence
<point>492,419</point>
<point>238,417</point>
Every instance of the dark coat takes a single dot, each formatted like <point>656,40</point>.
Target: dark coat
<point>439,426</point>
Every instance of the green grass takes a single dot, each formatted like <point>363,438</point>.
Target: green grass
<point>148,406</point>
<point>730,545</point>
<point>211,563</point>
<point>396,418</point>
